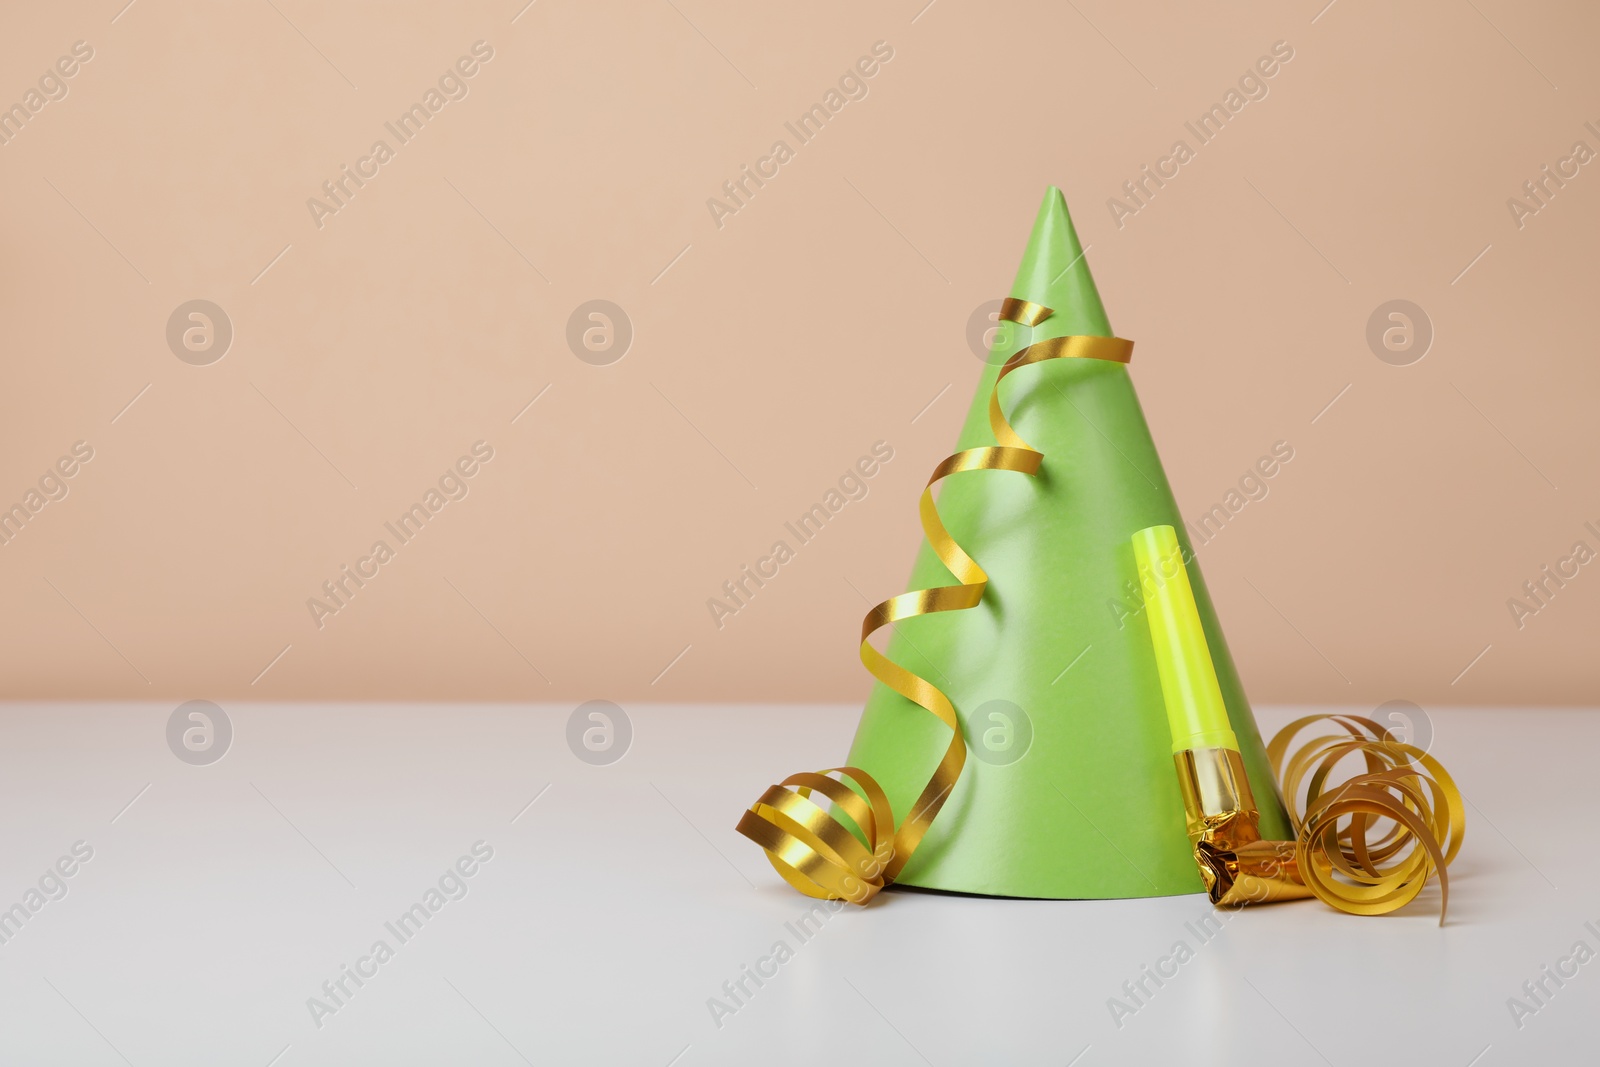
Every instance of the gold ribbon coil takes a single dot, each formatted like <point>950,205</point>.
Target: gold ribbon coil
<point>812,850</point>
<point>1367,867</point>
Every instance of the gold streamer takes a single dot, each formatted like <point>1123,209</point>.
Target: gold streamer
<point>1361,868</point>
<point>811,849</point>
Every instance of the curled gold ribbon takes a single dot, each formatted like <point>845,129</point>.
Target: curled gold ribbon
<point>812,850</point>
<point>1362,868</point>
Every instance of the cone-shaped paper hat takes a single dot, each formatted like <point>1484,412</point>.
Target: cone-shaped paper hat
<point>1068,790</point>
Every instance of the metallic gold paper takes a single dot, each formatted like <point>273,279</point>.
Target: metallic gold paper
<point>1223,822</point>
<point>810,848</point>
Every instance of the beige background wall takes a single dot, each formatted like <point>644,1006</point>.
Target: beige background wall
<point>829,313</point>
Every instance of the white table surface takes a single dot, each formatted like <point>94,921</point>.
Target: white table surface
<point>615,906</point>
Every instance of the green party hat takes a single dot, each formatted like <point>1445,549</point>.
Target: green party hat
<point>1069,789</point>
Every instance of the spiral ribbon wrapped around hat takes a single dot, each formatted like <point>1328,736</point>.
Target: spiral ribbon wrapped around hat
<point>812,850</point>
<point>818,854</point>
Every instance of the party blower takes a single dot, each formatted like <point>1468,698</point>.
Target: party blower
<point>1220,812</point>
<point>1020,727</point>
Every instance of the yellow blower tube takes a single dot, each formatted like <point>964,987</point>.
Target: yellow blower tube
<point>1195,711</point>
